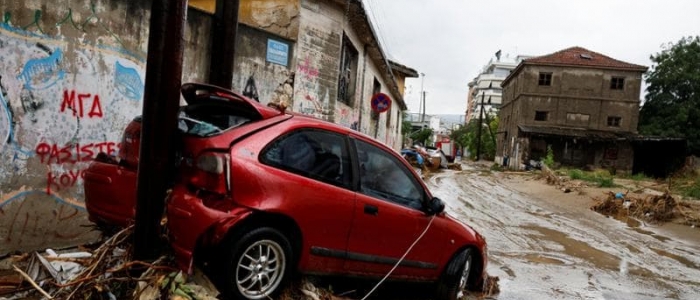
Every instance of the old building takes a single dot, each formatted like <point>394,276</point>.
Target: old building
<point>72,76</point>
<point>582,104</point>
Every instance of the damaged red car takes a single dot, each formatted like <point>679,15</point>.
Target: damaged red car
<point>271,193</point>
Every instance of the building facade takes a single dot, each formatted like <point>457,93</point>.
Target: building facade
<point>72,76</point>
<point>485,89</point>
<point>581,104</point>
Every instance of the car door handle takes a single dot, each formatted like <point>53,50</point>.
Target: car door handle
<point>371,210</point>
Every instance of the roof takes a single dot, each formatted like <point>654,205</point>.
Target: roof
<point>577,57</point>
<point>359,20</point>
<point>406,71</point>
<point>575,132</point>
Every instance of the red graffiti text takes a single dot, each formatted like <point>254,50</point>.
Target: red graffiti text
<point>77,103</point>
<point>57,181</point>
<point>73,153</point>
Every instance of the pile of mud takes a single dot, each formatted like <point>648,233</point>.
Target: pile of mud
<point>652,208</point>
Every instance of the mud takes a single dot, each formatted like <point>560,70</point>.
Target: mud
<point>545,244</point>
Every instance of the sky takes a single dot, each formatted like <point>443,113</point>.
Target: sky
<point>450,41</point>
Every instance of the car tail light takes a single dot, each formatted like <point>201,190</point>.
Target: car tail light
<point>211,173</point>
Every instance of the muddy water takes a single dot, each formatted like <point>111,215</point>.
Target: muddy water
<point>541,250</point>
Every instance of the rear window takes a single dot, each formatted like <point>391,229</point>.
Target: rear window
<point>208,119</point>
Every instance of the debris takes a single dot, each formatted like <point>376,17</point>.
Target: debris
<point>491,286</point>
<point>652,208</point>
<point>34,284</point>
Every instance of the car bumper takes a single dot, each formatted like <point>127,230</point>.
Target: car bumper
<point>191,222</point>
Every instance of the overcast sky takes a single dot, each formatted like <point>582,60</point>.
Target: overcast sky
<point>451,40</point>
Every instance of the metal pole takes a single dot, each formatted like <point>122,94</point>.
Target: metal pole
<point>223,43</point>
<point>422,99</point>
<point>478,130</point>
<point>159,123</point>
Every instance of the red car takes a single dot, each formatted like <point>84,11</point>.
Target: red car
<point>275,193</point>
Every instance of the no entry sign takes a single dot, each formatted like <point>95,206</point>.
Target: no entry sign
<point>380,102</point>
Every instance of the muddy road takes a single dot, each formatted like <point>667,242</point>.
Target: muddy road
<point>541,248</point>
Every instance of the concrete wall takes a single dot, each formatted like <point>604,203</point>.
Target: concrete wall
<point>72,77</point>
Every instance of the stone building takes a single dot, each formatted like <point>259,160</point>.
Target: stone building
<point>72,76</point>
<point>582,104</point>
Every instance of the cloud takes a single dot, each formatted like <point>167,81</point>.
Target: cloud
<point>451,40</point>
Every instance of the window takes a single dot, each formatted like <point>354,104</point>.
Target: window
<point>577,118</point>
<point>347,75</point>
<point>312,153</point>
<point>376,88</point>
<point>617,83</point>
<point>614,121</point>
<point>541,115</point>
<point>383,176</point>
<point>545,79</point>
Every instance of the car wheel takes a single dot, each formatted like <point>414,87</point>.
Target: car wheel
<point>456,277</point>
<point>257,263</point>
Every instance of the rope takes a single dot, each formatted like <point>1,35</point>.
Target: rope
<point>401,259</point>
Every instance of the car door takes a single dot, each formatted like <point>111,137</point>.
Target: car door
<point>389,218</point>
<point>313,174</point>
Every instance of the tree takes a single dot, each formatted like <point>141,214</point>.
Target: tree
<point>423,136</point>
<point>467,138</point>
<point>672,104</point>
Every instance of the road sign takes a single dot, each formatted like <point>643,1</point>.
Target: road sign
<point>381,102</point>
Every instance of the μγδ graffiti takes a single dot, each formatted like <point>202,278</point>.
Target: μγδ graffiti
<point>73,153</point>
<point>78,109</point>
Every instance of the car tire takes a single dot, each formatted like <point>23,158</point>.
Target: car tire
<point>257,263</point>
<point>457,277</point>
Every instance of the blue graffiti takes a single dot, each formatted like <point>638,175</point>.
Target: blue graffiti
<point>128,82</point>
<point>42,73</point>
<point>24,194</point>
<point>10,138</point>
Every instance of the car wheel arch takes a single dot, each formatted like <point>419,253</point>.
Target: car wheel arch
<point>257,219</point>
<point>476,281</point>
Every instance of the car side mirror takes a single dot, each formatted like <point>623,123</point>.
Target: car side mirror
<point>435,206</point>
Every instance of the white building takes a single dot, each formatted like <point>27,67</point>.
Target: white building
<point>486,87</point>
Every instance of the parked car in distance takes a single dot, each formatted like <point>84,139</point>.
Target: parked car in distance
<point>271,193</point>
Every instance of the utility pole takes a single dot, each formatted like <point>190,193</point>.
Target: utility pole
<point>421,104</point>
<point>223,43</point>
<point>478,130</point>
<point>160,107</point>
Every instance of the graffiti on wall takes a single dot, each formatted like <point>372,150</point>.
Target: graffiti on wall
<point>314,99</point>
<point>63,101</point>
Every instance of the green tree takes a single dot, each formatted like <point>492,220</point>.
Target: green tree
<point>423,136</point>
<point>672,104</point>
<point>467,137</point>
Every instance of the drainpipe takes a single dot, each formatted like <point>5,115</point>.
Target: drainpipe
<point>362,87</point>
<point>160,107</point>
<point>223,43</point>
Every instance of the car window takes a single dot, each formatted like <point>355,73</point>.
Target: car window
<point>320,155</point>
<point>207,119</point>
<point>383,176</point>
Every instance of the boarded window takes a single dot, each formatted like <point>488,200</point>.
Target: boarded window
<point>541,115</point>
<point>545,79</point>
<point>577,118</point>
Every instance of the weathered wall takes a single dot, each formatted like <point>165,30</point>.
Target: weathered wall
<point>72,77</point>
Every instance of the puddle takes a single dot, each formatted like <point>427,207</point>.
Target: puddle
<point>675,257</point>
<point>578,249</point>
<point>652,234</point>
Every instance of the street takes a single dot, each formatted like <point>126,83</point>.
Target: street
<point>542,246</point>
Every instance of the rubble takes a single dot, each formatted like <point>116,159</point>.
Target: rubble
<point>652,208</point>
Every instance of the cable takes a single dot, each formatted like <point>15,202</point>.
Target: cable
<point>400,259</point>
